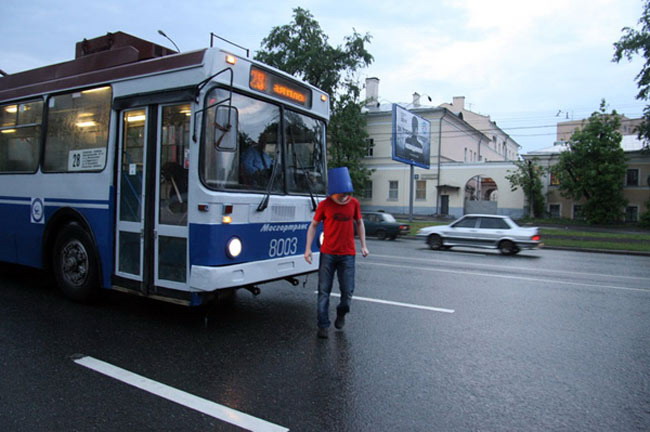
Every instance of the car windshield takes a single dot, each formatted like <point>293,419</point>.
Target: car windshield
<point>388,217</point>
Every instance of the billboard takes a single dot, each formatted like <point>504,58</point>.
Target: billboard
<point>411,138</point>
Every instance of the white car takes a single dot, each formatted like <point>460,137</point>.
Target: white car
<point>482,231</point>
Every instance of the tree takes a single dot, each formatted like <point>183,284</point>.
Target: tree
<point>528,177</point>
<point>302,49</point>
<point>593,168</point>
<point>637,42</point>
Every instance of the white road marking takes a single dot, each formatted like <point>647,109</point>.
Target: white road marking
<point>392,303</point>
<point>473,273</point>
<point>204,406</point>
<point>536,269</point>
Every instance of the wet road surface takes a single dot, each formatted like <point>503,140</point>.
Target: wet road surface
<point>437,341</point>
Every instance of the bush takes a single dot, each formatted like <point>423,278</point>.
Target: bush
<point>644,220</point>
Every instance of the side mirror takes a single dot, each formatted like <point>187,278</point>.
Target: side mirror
<point>225,128</point>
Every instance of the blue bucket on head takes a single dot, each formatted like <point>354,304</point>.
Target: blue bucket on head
<point>339,181</point>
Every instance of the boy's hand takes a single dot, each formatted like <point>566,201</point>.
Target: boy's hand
<point>365,252</point>
<point>308,256</point>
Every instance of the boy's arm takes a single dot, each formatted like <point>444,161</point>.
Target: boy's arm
<point>311,232</point>
<point>361,230</point>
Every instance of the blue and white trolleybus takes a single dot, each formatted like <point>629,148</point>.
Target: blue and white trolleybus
<point>169,175</point>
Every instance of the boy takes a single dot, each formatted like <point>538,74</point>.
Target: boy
<point>339,213</point>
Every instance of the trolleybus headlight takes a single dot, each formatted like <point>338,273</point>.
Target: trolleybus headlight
<point>234,247</point>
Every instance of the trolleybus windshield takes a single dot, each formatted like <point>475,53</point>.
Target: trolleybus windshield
<point>257,146</point>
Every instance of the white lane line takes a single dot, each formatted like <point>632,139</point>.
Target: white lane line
<point>392,303</point>
<point>204,406</point>
<point>534,269</point>
<point>472,273</point>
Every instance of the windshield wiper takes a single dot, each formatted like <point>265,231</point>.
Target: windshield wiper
<point>296,161</point>
<point>265,201</point>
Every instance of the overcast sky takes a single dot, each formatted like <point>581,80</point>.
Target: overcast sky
<point>527,64</point>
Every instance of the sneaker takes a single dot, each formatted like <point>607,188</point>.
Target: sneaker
<point>322,333</point>
<point>340,321</point>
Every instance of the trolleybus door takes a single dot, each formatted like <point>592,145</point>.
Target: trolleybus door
<point>131,186</point>
<point>152,197</point>
<point>171,226</point>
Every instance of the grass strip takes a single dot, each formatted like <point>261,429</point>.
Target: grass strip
<point>590,244</point>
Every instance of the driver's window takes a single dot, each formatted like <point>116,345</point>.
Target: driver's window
<point>247,157</point>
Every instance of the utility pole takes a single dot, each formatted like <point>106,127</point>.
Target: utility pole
<point>531,181</point>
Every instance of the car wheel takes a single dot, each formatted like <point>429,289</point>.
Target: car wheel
<point>435,242</point>
<point>506,247</point>
<point>393,237</point>
<point>381,234</point>
<point>75,264</point>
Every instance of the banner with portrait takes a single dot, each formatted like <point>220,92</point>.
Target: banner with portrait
<point>411,142</point>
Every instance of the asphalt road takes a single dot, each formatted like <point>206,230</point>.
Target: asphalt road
<point>459,340</point>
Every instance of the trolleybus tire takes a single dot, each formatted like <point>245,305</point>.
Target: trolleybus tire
<point>74,263</point>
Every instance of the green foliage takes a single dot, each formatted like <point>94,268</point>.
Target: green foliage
<point>348,137</point>
<point>302,49</point>
<point>644,220</point>
<point>632,43</point>
<point>593,168</point>
<point>528,177</point>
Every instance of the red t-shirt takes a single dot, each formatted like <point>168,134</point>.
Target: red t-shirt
<point>338,225</point>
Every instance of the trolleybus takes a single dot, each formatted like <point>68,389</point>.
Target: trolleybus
<point>170,175</point>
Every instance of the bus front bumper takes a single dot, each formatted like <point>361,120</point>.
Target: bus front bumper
<point>211,278</point>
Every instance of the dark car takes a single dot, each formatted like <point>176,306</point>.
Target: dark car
<point>383,225</point>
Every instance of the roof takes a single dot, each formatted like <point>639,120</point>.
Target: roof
<point>629,143</point>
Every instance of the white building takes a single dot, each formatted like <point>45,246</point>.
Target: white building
<point>469,159</point>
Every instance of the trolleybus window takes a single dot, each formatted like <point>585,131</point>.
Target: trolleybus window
<point>174,164</point>
<point>248,166</point>
<point>256,162</point>
<point>77,131</point>
<point>305,141</point>
<point>20,133</point>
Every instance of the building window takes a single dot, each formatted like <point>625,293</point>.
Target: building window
<point>392,190</point>
<point>366,193</point>
<point>554,181</point>
<point>370,149</point>
<point>632,177</point>
<point>577,212</point>
<point>631,214</point>
<point>554,211</point>
<point>421,190</point>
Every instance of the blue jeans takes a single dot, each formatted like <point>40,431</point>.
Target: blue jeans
<point>343,266</point>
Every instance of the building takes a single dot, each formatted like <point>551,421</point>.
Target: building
<point>469,159</point>
<point>636,184</point>
<point>499,146</point>
<point>567,128</point>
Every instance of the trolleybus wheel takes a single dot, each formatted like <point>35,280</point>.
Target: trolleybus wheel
<point>75,263</point>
